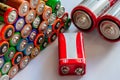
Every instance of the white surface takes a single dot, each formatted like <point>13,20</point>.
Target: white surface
<point>103,58</point>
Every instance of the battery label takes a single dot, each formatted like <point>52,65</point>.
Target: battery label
<point>96,6</point>
<point>3,8</point>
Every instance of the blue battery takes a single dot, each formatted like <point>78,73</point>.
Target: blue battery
<point>32,35</point>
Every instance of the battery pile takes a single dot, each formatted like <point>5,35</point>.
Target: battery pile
<point>103,14</point>
<point>26,28</point>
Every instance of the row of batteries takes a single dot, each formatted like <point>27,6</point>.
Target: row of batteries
<point>28,26</point>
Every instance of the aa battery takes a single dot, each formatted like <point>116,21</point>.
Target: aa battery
<point>54,4</point>
<point>22,44</point>
<point>32,35</point>
<point>6,31</point>
<point>36,22</point>
<point>2,61</point>
<point>56,24</point>
<point>19,24</point>
<point>33,3</point>
<point>30,16</point>
<point>52,18</point>
<point>84,16</point>
<point>44,44</point>
<point>21,5</point>
<point>47,12</point>
<point>60,12</point>
<point>17,58</point>
<point>71,54</point>
<point>40,7</point>
<point>10,53</point>
<point>4,77</point>
<point>35,52</point>
<point>25,32</point>
<point>13,71</point>
<point>43,26</point>
<point>8,13</point>
<point>109,23</point>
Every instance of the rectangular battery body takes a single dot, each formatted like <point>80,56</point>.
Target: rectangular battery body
<point>71,54</point>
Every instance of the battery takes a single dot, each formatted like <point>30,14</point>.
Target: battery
<point>47,12</point>
<point>43,26</point>
<point>52,18</point>
<point>33,3</point>
<point>22,44</point>
<point>25,32</point>
<point>56,24</point>
<point>109,23</point>
<point>44,44</point>
<point>17,58</point>
<point>61,29</point>
<point>15,39</point>
<point>4,77</point>
<point>4,46</point>
<point>6,31</point>
<point>39,39</point>
<point>84,16</point>
<point>68,24</point>
<point>28,49</point>
<point>54,4</point>
<point>13,71</point>
<point>65,17</point>
<point>32,35</point>
<point>40,7</point>
<point>60,12</point>
<point>10,53</point>
<point>19,24</point>
<point>6,67</point>
<point>2,61</point>
<point>29,18</point>
<point>24,62</point>
<point>71,54</point>
<point>36,22</point>
<point>21,5</point>
<point>8,13</point>
<point>35,52</point>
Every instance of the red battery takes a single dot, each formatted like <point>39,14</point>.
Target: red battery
<point>21,5</point>
<point>84,16</point>
<point>71,54</point>
<point>64,17</point>
<point>6,31</point>
<point>39,39</point>
<point>109,23</point>
<point>8,13</point>
<point>56,24</point>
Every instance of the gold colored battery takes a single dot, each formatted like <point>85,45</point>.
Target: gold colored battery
<point>21,5</point>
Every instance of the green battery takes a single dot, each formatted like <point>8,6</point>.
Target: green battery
<point>6,67</point>
<point>10,54</point>
<point>67,24</point>
<point>1,19</point>
<point>44,44</point>
<point>54,4</point>
<point>15,39</point>
<point>36,22</point>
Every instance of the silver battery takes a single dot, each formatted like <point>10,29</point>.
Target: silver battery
<point>34,3</point>
<point>82,19</point>
<point>36,22</point>
<point>52,19</point>
<point>23,45</point>
<point>108,27</point>
<point>29,49</point>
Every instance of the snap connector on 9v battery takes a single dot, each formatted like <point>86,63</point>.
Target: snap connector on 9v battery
<point>71,54</point>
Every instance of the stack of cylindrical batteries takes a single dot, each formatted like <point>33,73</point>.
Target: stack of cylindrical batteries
<point>26,28</point>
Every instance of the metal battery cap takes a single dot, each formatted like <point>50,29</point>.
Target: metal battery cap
<point>79,71</point>
<point>1,62</point>
<point>15,39</point>
<point>65,69</point>
<point>110,30</point>
<point>82,20</point>
<point>24,62</point>
<point>52,18</point>
<point>19,24</point>
<point>12,16</point>
<point>36,22</point>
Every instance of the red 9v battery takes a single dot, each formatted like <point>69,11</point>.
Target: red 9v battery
<point>71,54</point>
<point>109,23</point>
<point>84,16</point>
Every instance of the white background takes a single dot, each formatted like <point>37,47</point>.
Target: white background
<point>103,58</point>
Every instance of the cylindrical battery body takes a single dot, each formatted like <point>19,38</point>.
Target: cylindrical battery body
<point>109,23</point>
<point>71,54</point>
<point>8,13</point>
<point>85,15</point>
